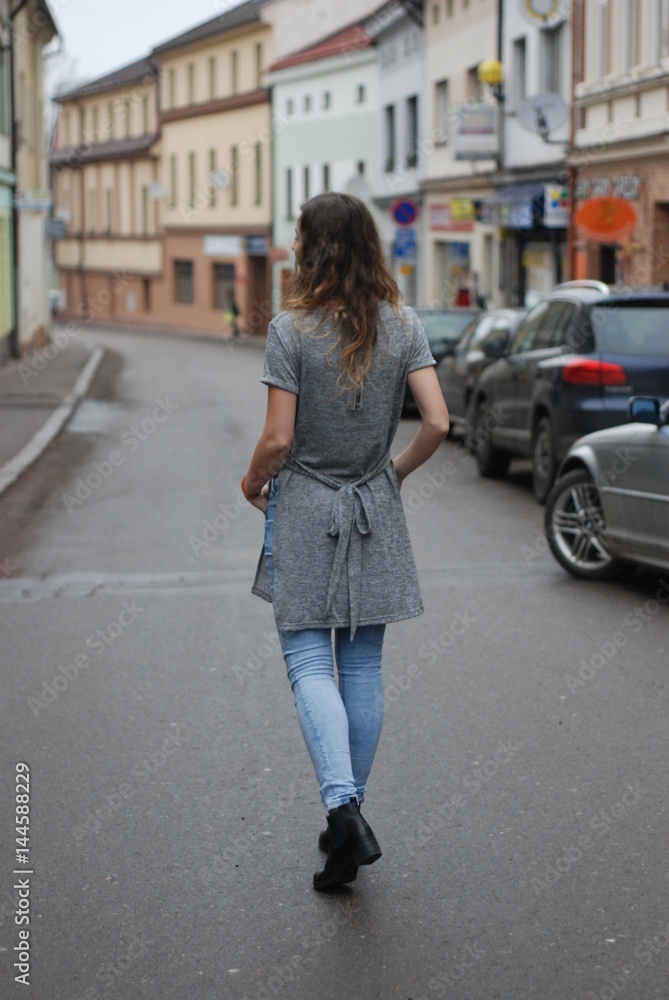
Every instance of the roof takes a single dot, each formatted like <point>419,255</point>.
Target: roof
<point>94,152</point>
<point>237,17</point>
<point>119,78</point>
<point>349,39</point>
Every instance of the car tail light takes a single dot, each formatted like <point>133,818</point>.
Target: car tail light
<point>591,372</point>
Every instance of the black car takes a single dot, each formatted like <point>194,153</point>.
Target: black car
<point>484,340</point>
<point>574,362</point>
<point>443,328</point>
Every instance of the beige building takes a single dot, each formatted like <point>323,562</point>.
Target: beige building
<point>621,139</point>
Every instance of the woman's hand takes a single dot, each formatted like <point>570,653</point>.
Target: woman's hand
<point>262,500</point>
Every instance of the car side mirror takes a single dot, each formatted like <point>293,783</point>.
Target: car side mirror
<point>496,347</point>
<point>644,410</point>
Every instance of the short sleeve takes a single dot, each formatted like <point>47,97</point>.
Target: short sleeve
<point>280,368</point>
<point>421,355</point>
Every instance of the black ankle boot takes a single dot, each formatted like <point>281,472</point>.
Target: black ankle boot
<point>351,843</point>
<point>324,835</point>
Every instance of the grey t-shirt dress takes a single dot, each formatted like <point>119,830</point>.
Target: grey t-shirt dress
<point>341,548</point>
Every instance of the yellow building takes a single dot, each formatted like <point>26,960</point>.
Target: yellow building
<point>163,179</point>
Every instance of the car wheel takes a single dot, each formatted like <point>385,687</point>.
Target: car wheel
<point>544,460</point>
<point>576,528</point>
<point>490,461</point>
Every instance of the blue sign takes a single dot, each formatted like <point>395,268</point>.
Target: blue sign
<point>405,244</point>
<point>404,211</point>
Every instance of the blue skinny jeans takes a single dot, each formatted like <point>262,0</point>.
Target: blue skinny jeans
<point>340,721</point>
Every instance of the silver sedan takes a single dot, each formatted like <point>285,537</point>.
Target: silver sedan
<point>609,508</point>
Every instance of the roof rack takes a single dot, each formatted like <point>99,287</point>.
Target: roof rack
<point>596,286</point>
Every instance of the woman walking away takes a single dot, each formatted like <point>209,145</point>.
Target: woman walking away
<point>337,553</point>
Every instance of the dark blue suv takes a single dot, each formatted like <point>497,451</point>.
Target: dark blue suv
<point>574,362</point>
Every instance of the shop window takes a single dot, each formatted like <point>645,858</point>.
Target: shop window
<point>224,287</point>
<point>184,283</point>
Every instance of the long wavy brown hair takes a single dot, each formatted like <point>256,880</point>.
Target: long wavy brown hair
<point>341,268</point>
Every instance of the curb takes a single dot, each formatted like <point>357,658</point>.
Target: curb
<point>40,441</point>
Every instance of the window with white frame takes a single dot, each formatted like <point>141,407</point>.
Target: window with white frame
<point>603,36</point>
<point>519,72</point>
<point>629,34</point>
<point>441,111</point>
<point>551,51</point>
<point>661,28</point>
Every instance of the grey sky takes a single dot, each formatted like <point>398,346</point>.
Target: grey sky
<point>101,35</point>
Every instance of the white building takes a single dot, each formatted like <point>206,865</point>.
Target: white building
<point>399,40</point>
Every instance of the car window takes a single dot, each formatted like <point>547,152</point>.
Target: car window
<point>632,329</point>
<point>481,331</point>
<point>529,329</point>
<point>560,323</point>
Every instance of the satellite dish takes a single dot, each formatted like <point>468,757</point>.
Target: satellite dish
<point>542,113</point>
<point>545,13</point>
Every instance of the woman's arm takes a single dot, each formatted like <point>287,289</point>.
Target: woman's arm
<point>273,444</point>
<point>434,425</point>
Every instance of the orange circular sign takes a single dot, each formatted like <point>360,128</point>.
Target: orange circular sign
<point>605,220</point>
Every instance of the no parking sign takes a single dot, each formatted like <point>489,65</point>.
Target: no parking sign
<point>404,211</point>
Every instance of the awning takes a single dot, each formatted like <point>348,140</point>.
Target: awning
<point>516,205</point>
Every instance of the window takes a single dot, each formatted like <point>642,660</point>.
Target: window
<point>110,119</point>
<point>173,182</point>
<point>603,35</point>
<point>66,126</point>
<point>528,331</point>
<point>145,114</point>
<point>289,194</point>
<point>629,34</point>
<point>108,200</point>
<point>258,165</point>
<point>327,100</point>
<point>551,39</point>
<point>290,106</point>
<point>474,86</point>
<point>361,168</point>
<point>326,176</point>
<point>234,170</point>
<point>145,209</point>
<point>441,111</point>
<point>307,102</point>
<point>147,294</point>
<point>191,83</point>
<point>306,175</point>
<point>518,72</point>
<point>259,64</point>
<point>412,132</point>
<point>212,169</point>
<point>435,13</point>
<point>127,110</point>
<point>92,213</point>
<point>212,77</point>
<point>449,8</point>
<point>661,28</point>
<point>183,280</point>
<point>191,179</point>
<point>389,115</point>
<point>361,94</point>
<point>95,136</point>
<point>82,114</point>
<point>234,70</point>
<point>224,287</point>
<point>172,88</point>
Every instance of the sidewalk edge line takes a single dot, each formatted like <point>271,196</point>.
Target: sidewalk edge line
<point>40,441</point>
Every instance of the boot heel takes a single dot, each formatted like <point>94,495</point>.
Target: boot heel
<point>367,851</point>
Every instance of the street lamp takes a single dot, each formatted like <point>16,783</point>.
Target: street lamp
<point>491,72</point>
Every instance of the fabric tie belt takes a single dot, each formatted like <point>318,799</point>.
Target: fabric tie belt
<point>351,521</point>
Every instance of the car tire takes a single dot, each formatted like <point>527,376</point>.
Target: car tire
<point>490,461</point>
<point>576,528</point>
<point>544,460</point>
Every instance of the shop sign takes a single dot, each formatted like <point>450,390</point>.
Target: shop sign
<point>223,246</point>
<point>475,132</point>
<point>33,201</point>
<point>256,245</point>
<point>605,220</point>
<point>452,216</point>
<point>627,186</point>
<point>556,206</point>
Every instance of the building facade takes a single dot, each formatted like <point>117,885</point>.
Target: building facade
<point>326,98</point>
<point>7,184</point>
<point>621,141</point>
<point>460,130</point>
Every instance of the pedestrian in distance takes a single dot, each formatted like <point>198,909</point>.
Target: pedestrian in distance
<point>337,555</point>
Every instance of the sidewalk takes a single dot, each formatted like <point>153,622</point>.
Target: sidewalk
<point>38,395</point>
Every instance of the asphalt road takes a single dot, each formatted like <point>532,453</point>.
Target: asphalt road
<point>520,788</point>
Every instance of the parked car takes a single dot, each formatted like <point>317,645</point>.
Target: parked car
<point>483,341</point>
<point>609,508</point>
<point>443,328</point>
<point>574,362</point>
